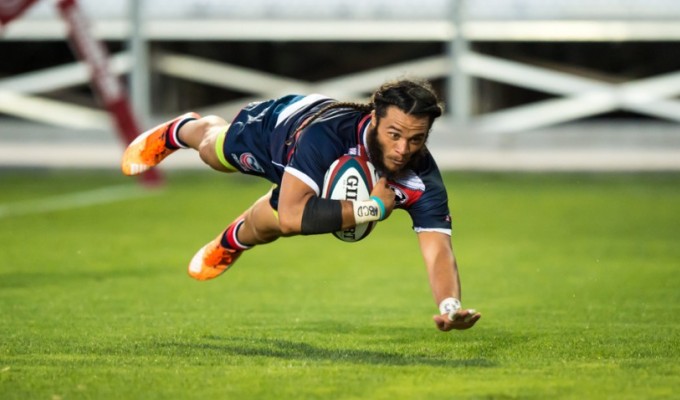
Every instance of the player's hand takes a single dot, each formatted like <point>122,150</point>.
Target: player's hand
<point>385,193</point>
<point>462,319</point>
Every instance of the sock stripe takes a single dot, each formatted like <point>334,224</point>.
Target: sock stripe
<point>173,136</point>
<point>231,239</point>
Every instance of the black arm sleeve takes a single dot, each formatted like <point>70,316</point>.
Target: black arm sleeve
<point>321,216</point>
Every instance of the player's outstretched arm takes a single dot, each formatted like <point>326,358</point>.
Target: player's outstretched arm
<point>444,281</point>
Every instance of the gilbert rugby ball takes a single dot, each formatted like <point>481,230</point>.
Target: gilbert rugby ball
<point>350,178</point>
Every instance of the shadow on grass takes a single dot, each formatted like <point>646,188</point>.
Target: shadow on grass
<point>305,352</point>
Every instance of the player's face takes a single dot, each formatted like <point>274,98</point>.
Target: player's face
<point>399,136</point>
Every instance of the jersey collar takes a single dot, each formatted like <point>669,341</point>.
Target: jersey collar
<point>362,134</point>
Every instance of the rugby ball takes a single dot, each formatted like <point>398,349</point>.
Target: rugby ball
<point>350,178</point>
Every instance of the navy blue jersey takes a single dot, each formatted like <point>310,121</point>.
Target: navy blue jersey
<point>265,139</point>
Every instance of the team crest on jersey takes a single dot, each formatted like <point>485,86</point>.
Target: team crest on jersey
<point>407,189</point>
<point>400,197</point>
<point>248,162</point>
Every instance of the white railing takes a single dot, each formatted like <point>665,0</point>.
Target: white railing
<point>453,22</point>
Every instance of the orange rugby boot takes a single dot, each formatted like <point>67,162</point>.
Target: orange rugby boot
<point>212,260</point>
<point>148,149</point>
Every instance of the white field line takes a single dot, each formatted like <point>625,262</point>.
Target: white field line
<point>72,201</point>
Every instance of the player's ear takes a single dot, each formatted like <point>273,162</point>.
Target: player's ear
<point>374,119</point>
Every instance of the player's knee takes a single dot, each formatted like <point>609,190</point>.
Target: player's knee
<point>206,151</point>
<point>211,127</point>
<point>210,122</point>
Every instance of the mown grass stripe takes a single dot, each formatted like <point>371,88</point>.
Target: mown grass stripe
<point>70,201</point>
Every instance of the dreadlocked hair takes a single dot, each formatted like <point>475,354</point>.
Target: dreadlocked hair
<point>412,96</point>
<point>364,108</point>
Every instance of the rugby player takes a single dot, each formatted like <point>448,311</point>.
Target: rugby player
<point>291,141</point>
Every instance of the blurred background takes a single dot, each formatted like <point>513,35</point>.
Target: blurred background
<point>528,84</point>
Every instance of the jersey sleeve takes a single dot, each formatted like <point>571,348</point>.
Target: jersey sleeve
<point>430,211</point>
<point>315,150</point>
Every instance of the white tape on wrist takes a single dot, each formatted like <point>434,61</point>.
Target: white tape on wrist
<point>366,211</point>
<point>449,306</point>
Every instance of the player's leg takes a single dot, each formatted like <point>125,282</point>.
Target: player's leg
<point>186,131</point>
<point>260,223</point>
<point>207,135</point>
<point>257,225</point>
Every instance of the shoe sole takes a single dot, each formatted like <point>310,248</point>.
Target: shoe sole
<point>138,144</point>
<point>196,266</point>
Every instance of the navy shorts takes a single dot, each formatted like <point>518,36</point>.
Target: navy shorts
<point>255,143</point>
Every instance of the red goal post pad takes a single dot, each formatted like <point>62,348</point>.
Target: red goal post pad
<point>106,85</point>
<point>11,9</point>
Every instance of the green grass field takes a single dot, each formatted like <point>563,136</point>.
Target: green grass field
<point>577,277</point>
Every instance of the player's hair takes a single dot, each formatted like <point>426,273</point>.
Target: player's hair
<point>364,108</point>
<point>412,96</point>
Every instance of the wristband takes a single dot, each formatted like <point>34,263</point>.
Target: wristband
<point>381,205</point>
<point>449,306</point>
<point>367,211</point>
